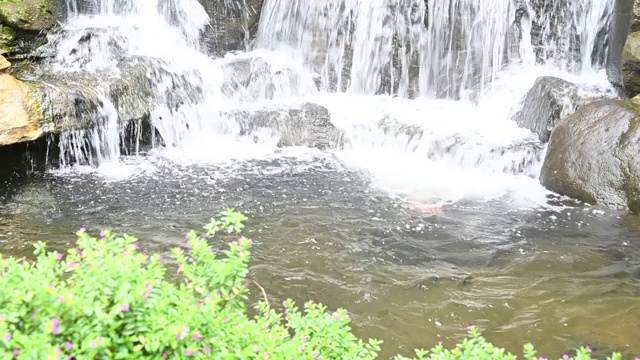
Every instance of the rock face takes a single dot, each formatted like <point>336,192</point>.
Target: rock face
<point>309,125</point>
<point>548,101</point>
<point>234,24</point>
<point>616,38</point>
<point>631,64</point>
<point>23,24</point>
<point>593,155</point>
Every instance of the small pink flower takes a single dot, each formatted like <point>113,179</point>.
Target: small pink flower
<point>83,229</point>
<point>93,344</point>
<point>314,354</point>
<point>266,355</point>
<point>71,265</point>
<point>16,352</point>
<point>160,257</point>
<point>256,349</point>
<point>125,307</point>
<point>225,320</point>
<point>102,234</point>
<point>54,326</point>
<point>301,348</point>
<point>68,346</point>
<point>588,349</point>
<point>179,337</point>
<point>7,337</point>
<point>100,339</point>
<point>565,356</point>
<point>58,256</point>
<point>61,299</point>
<point>188,352</point>
<point>197,337</point>
<point>304,339</point>
<point>205,350</point>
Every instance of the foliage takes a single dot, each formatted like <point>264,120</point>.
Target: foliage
<point>106,299</point>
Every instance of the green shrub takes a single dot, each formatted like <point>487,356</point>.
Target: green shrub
<point>106,299</point>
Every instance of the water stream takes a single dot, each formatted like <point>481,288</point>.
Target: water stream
<point>429,216</point>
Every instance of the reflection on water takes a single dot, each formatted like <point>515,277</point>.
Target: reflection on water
<point>560,277</point>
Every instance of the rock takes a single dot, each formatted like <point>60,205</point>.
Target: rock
<point>309,125</point>
<point>617,40</point>
<point>4,64</point>
<point>234,24</point>
<point>54,103</point>
<point>18,112</point>
<point>549,100</point>
<point>631,64</point>
<point>24,23</point>
<point>593,155</point>
<point>635,21</point>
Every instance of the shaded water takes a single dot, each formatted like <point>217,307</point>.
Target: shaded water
<point>560,277</point>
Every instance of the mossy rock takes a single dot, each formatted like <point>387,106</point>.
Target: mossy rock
<point>631,64</point>
<point>29,15</point>
<point>23,24</point>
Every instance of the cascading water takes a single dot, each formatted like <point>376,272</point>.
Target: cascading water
<point>423,90</point>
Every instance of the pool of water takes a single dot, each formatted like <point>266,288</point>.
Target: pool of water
<point>561,276</point>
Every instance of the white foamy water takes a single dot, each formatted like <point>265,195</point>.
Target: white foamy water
<point>424,93</point>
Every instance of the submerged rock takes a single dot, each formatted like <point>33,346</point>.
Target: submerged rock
<point>593,155</point>
<point>309,125</point>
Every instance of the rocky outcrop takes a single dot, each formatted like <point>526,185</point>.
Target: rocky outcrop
<point>53,103</point>
<point>550,100</point>
<point>24,23</point>
<point>593,155</point>
<point>234,24</point>
<point>4,64</point>
<point>631,64</point>
<point>308,125</point>
<point>615,39</point>
<point>18,112</point>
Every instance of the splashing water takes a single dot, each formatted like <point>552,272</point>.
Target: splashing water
<point>423,90</point>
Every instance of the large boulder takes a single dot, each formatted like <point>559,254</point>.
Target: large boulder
<point>307,125</point>
<point>631,64</point>
<point>24,23</point>
<point>43,102</point>
<point>593,155</point>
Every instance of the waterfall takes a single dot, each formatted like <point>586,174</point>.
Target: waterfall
<point>442,48</point>
<point>417,87</point>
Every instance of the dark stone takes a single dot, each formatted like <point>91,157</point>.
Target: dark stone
<point>548,101</point>
<point>593,155</point>
<point>618,31</point>
<point>631,64</point>
<point>309,125</point>
<point>234,24</point>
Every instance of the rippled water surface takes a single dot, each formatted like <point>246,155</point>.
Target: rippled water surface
<point>560,276</point>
